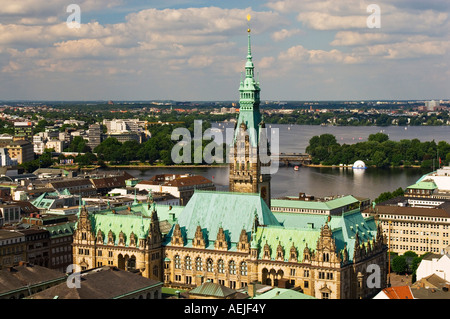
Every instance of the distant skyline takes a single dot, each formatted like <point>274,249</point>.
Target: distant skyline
<point>195,50</point>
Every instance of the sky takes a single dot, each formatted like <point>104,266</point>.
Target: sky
<point>188,50</point>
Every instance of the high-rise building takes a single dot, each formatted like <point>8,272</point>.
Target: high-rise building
<point>23,130</point>
<point>95,135</point>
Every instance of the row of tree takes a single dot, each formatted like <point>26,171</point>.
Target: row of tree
<point>378,151</point>
<point>302,117</point>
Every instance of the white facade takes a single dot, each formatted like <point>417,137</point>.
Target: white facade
<point>9,214</point>
<point>123,125</point>
<point>173,190</point>
<point>442,178</point>
<point>381,295</point>
<point>438,266</point>
<point>57,145</point>
<point>5,159</point>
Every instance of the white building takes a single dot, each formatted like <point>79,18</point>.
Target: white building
<point>57,145</point>
<point>5,159</point>
<point>159,198</point>
<point>435,264</point>
<point>38,143</point>
<point>9,214</point>
<point>124,125</point>
<point>440,177</point>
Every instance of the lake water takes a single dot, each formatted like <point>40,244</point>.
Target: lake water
<point>319,182</point>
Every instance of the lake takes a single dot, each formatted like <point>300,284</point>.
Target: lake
<point>326,181</point>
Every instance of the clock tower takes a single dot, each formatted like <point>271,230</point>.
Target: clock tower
<point>249,153</point>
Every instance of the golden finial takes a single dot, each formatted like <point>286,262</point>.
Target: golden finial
<point>248,19</point>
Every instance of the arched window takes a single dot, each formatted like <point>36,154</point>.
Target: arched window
<point>220,266</point>
<point>209,265</point>
<point>177,262</point>
<point>232,267</point>
<point>198,264</point>
<point>244,268</point>
<point>188,263</point>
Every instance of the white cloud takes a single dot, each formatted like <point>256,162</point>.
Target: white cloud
<point>284,33</point>
<point>301,54</point>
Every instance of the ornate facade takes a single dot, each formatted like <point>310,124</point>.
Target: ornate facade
<point>128,239</point>
<point>234,239</point>
<point>329,261</point>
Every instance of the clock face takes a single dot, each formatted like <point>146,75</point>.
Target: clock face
<point>263,192</point>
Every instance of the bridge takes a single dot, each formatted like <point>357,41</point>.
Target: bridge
<point>293,158</point>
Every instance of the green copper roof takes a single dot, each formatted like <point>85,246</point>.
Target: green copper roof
<point>231,211</point>
<point>430,185</point>
<point>344,229</point>
<point>287,237</point>
<point>317,205</point>
<point>128,219</point>
<point>60,230</point>
<point>117,223</point>
<point>281,293</point>
<point>249,101</point>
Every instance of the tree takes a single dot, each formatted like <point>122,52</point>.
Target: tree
<point>78,145</point>
<point>388,195</point>
<point>378,137</point>
<point>399,265</point>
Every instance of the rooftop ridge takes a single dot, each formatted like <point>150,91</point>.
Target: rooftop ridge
<point>224,192</point>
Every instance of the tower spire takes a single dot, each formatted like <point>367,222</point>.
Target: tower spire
<point>246,143</point>
<point>249,50</point>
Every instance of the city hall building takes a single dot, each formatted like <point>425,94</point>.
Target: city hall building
<point>234,238</point>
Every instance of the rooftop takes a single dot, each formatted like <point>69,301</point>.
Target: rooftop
<point>20,277</point>
<point>100,283</point>
<point>316,204</point>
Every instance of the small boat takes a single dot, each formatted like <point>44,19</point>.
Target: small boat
<point>296,168</point>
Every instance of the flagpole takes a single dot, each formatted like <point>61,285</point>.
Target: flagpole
<point>389,255</point>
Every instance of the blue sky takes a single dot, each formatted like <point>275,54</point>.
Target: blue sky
<point>195,50</point>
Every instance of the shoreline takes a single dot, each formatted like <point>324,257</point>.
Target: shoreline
<point>92,168</point>
<point>75,168</point>
<point>351,167</point>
